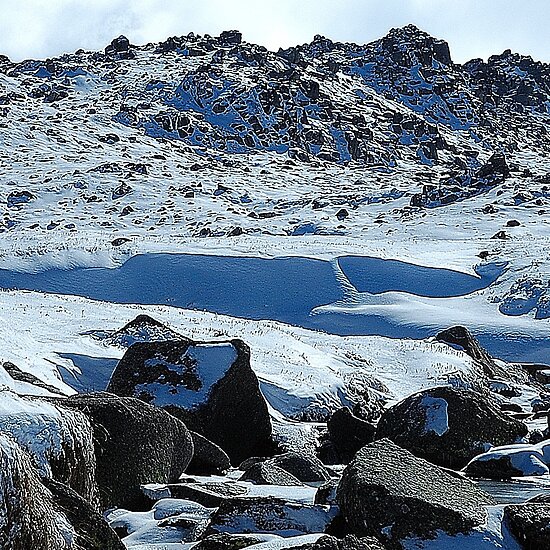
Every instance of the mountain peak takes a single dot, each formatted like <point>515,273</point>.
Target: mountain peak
<point>418,44</point>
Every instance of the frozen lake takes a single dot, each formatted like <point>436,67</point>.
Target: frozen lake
<point>349,296</point>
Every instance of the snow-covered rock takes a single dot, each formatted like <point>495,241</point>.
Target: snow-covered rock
<point>512,461</point>
<point>448,426</point>
<point>59,441</point>
<point>210,386</point>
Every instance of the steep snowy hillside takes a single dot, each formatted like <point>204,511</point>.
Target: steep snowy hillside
<point>215,146</point>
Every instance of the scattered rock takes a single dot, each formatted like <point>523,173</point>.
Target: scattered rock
<point>268,473</point>
<point>226,541</point>
<point>17,198</point>
<point>348,543</point>
<point>307,469</point>
<point>269,515</point>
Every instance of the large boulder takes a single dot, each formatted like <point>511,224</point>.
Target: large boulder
<point>348,433</point>
<point>59,441</point>
<point>530,524</point>
<point>448,426</point>
<point>135,444</point>
<point>210,386</point>
<point>389,493</point>
<point>29,518</point>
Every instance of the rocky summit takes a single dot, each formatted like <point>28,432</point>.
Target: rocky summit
<point>294,299</point>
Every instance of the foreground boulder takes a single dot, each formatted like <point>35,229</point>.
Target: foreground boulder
<point>389,493</point>
<point>448,426</point>
<point>59,441</point>
<point>210,386</point>
<point>135,444</point>
<point>29,517</point>
<point>530,524</point>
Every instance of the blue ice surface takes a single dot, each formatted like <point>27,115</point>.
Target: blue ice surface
<point>280,289</point>
<point>95,372</point>
<point>376,276</point>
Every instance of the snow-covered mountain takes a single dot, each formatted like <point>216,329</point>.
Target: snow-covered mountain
<point>335,206</point>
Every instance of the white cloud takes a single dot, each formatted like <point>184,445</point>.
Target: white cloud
<point>42,28</point>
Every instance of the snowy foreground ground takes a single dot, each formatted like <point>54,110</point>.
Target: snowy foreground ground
<point>322,261</point>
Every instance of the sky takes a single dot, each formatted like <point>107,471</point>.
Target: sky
<point>474,28</point>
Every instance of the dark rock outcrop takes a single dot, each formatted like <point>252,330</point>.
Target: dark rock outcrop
<point>448,426</point>
<point>144,329</point>
<point>21,376</point>
<point>386,486</point>
<point>461,337</point>
<point>348,434</point>
<point>530,524</point>
<point>135,443</point>
<point>210,386</point>
<point>208,458</point>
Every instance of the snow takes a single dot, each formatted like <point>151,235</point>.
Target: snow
<point>209,362</point>
<point>437,419</point>
<point>530,460</point>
